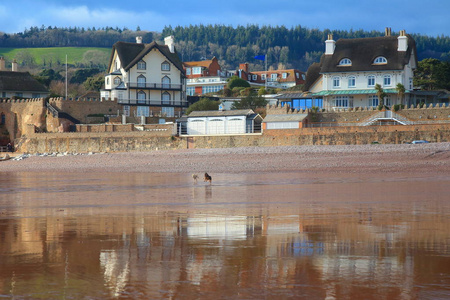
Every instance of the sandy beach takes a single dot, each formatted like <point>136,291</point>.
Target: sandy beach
<point>364,160</point>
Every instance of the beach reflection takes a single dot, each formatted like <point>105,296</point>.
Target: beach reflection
<point>156,236</point>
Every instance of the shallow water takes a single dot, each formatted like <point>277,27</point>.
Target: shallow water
<point>245,236</point>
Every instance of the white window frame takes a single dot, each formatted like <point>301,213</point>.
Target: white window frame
<point>387,78</point>
<point>188,71</point>
<point>263,76</point>
<point>352,81</point>
<point>336,81</point>
<point>284,75</point>
<point>254,77</point>
<point>341,101</point>
<point>373,99</point>
<point>380,60</point>
<point>197,70</point>
<point>117,80</point>
<point>141,65</point>
<point>165,82</point>
<point>165,66</point>
<point>345,62</point>
<point>141,81</point>
<point>126,110</point>
<point>274,76</point>
<point>371,78</point>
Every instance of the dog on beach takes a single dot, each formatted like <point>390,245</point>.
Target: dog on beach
<point>195,177</point>
<point>208,178</point>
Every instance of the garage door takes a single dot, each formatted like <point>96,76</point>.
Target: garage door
<point>282,125</point>
<point>216,126</point>
<point>236,126</point>
<point>196,127</point>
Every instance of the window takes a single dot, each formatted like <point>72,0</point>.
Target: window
<point>165,66</point>
<point>18,94</point>
<point>35,95</point>
<point>117,80</point>
<point>165,97</point>
<point>380,60</point>
<point>351,81</point>
<point>340,101</point>
<point>168,111</point>
<point>165,82</point>
<point>141,81</point>
<point>196,70</point>
<point>142,111</point>
<point>336,82</point>
<point>371,80</point>
<point>141,97</point>
<point>190,91</point>
<point>387,80</point>
<point>116,65</point>
<point>141,65</point>
<point>263,76</point>
<point>284,75</point>
<point>345,62</point>
<point>373,100</point>
<point>297,75</point>
<point>107,80</point>
<point>188,71</point>
<point>387,100</point>
<point>211,88</point>
<point>126,110</point>
<point>273,77</point>
<point>3,119</point>
<point>255,77</point>
<point>249,77</point>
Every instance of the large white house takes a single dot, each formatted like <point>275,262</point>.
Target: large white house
<point>350,68</point>
<point>147,79</point>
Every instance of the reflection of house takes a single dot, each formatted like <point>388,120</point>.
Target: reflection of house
<point>146,79</point>
<point>19,84</point>
<point>205,76</point>
<point>351,68</point>
<point>275,78</point>
<point>223,122</point>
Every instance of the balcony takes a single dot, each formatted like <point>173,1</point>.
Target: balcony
<point>154,102</point>
<point>155,86</point>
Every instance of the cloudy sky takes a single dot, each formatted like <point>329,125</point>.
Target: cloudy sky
<point>430,17</point>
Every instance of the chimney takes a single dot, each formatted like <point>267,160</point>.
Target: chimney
<point>387,31</point>
<point>14,66</point>
<point>2,64</point>
<point>169,42</point>
<point>402,41</point>
<point>330,45</point>
<point>244,67</point>
<point>139,40</point>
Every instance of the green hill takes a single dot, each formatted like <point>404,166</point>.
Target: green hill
<point>56,56</point>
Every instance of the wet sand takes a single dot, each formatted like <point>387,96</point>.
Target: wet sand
<point>363,160</point>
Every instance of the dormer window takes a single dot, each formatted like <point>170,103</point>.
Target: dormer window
<point>345,62</point>
<point>196,70</point>
<point>117,80</point>
<point>141,65</point>
<point>380,60</point>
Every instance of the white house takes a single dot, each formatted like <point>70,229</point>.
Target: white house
<point>350,68</point>
<point>147,79</point>
<point>223,122</point>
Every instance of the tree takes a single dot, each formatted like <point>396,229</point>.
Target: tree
<point>400,91</point>
<point>380,94</point>
<point>235,81</point>
<point>252,101</point>
<point>94,83</point>
<point>203,104</point>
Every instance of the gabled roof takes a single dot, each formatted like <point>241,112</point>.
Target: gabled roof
<point>201,63</point>
<point>221,113</point>
<point>363,51</point>
<point>130,53</point>
<point>20,81</point>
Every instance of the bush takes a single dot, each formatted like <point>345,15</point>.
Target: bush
<point>397,107</point>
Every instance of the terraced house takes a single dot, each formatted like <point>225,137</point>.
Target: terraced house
<point>350,69</point>
<point>146,79</point>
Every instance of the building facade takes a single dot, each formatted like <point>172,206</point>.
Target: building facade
<point>146,79</point>
<point>273,78</point>
<point>350,69</point>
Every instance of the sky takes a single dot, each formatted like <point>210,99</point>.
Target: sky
<point>429,17</point>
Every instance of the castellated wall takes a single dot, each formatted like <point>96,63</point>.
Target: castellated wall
<point>21,112</point>
<point>81,108</point>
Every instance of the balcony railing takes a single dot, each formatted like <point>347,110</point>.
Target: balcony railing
<point>153,102</point>
<point>156,86</point>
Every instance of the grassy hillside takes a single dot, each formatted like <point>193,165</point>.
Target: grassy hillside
<point>52,57</point>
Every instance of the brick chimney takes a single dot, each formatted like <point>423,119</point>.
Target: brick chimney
<point>402,41</point>
<point>387,31</point>
<point>244,67</point>
<point>330,45</point>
